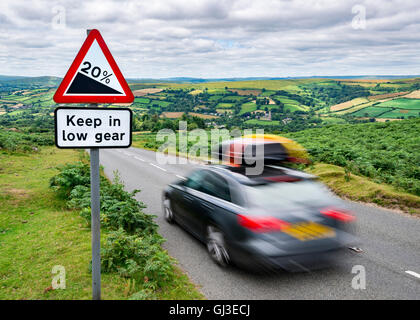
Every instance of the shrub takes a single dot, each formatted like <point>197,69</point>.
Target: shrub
<point>70,176</point>
<point>139,257</point>
<point>119,209</point>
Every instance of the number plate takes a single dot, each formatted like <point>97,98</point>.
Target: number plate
<point>309,230</point>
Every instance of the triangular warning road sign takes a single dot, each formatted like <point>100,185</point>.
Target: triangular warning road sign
<point>94,76</point>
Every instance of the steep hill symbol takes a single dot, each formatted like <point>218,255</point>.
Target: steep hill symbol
<point>84,85</point>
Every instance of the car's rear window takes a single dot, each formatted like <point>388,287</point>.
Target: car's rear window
<point>284,194</point>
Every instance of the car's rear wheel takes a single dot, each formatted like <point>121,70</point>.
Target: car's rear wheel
<point>167,211</point>
<point>216,246</point>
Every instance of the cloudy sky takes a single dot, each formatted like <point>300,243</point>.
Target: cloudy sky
<point>220,38</point>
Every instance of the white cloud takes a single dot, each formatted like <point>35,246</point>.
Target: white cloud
<point>215,38</point>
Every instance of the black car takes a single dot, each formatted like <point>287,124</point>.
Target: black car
<point>280,219</point>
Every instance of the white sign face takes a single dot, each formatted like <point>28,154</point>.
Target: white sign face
<point>93,127</point>
<point>94,75</point>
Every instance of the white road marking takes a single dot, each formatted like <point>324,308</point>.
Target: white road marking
<point>138,158</point>
<point>414,274</point>
<point>181,177</point>
<point>157,166</point>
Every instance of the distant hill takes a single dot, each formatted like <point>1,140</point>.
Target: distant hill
<point>202,80</point>
<point>42,81</point>
<point>55,81</point>
<point>8,78</point>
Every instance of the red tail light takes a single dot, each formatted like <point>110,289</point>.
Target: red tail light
<point>262,224</point>
<point>338,214</point>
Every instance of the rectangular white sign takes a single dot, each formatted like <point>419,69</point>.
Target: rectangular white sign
<point>92,127</point>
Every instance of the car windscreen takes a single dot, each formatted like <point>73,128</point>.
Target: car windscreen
<point>289,195</point>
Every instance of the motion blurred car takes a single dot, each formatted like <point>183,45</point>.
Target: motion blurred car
<point>272,149</point>
<point>281,219</point>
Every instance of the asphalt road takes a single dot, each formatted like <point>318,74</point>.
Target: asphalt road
<point>390,242</point>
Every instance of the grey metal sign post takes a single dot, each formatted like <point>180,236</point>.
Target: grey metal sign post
<point>95,222</point>
<point>95,205</point>
<point>93,77</point>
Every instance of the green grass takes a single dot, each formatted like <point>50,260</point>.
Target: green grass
<point>38,232</point>
<point>234,98</point>
<point>290,104</point>
<point>398,113</point>
<point>353,109</point>
<point>370,112</point>
<point>141,100</point>
<point>248,107</point>
<point>160,103</point>
<point>224,105</point>
<point>217,91</point>
<point>267,93</point>
<point>263,122</point>
<point>291,107</point>
<point>15,113</point>
<point>333,120</point>
<point>402,103</point>
<point>215,98</point>
<point>224,111</point>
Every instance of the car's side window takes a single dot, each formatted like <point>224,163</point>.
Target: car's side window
<point>195,179</point>
<point>216,186</point>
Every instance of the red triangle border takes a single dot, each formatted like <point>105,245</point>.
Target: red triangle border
<point>59,96</point>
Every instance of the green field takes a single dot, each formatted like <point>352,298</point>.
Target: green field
<point>141,100</point>
<point>401,114</point>
<point>371,112</point>
<point>402,103</point>
<point>233,98</point>
<point>333,120</point>
<point>290,104</point>
<point>14,113</point>
<point>224,111</point>
<point>262,122</point>
<point>215,97</point>
<point>248,107</point>
<point>224,105</point>
<point>160,103</point>
<point>217,91</point>
<point>393,109</point>
<point>267,93</point>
